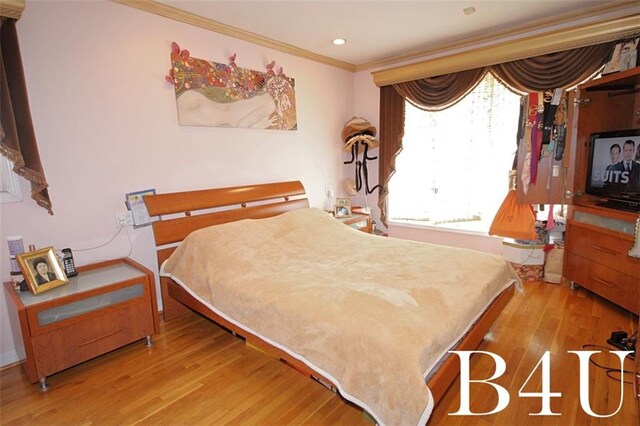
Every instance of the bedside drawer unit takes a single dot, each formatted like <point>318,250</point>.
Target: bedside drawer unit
<point>107,306</point>
<point>359,221</point>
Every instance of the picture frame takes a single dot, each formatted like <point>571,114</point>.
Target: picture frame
<point>624,56</point>
<point>40,278</point>
<point>341,211</point>
<point>343,202</point>
<point>135,204</point>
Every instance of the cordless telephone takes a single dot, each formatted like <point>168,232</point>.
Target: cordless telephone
<point>68,263</point>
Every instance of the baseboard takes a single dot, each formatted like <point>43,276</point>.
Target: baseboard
<point>8,359</point>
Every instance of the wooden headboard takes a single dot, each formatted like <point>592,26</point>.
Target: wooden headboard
<point>188,211</point>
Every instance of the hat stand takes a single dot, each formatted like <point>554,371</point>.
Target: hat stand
<point>361,168</point>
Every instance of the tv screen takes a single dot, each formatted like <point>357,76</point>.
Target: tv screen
<point>614,167</point>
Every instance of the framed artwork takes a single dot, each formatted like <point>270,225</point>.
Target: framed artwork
<point>342,211</point>
<point>225,95</point>
<point>140,214</point>
<point>624,57</point>
<point>42,270</point>
<point>343,201</point>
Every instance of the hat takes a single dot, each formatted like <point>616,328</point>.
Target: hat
<point>359,130</point>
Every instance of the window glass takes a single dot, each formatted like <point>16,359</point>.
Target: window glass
<point>9,183</point>
<point>453,169</point>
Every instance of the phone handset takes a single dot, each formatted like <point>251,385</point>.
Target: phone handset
<point>68,263</point>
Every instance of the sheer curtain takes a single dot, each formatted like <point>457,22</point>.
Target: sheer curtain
<point>560,69</point>
<point>451,171</point>
<point>17,136</point>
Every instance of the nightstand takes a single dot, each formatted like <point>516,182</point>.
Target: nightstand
<point>359,221</point>
<point>107,306</point>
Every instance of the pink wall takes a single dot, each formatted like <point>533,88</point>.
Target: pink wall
<point>106,125</point>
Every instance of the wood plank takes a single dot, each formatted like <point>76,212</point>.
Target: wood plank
<point>175,230</point>
<point>179,202</point>
<point>546,318</point>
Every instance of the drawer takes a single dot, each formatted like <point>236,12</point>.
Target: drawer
<point>604,249</point>
<point>66,346</point>
<point>44,318</point>
<point>361,224</point>
<point>576,268</point>
<point>619,288</point>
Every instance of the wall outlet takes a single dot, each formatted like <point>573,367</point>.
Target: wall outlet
<point>124,219</point>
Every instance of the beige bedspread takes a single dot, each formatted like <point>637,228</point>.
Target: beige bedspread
<point>373,314</point>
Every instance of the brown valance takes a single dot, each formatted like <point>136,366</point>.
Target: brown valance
<point>17,136</point>
<point>441,92</point>
<point>560,69</point>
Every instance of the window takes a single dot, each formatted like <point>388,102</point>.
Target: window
<point>453,169</point>
<point>9,183</point>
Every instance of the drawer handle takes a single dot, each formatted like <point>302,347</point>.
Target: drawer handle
<point>606,250</point>
<point>100,338</point>
<point>606,284</point>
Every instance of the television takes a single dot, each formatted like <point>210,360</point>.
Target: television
<point>613,171</point>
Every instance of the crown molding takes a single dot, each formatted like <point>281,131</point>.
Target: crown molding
<point>532,45</point>
<point>11,8</point>
<point>526,47</point>
<point>496,37</point>
<point>218,27</point>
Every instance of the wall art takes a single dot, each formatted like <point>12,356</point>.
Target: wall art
<point>225,95</point>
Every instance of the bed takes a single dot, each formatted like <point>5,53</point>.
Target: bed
<point>369,317</point>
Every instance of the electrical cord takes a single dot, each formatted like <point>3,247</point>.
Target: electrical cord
<point>102,245</point>
<point>126,230</point>
<point>608,370</point>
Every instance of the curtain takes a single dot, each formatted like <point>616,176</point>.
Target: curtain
<point>560,69</point>
<point>391,133</point>
<point>441,92</point>
<point>17,136</point>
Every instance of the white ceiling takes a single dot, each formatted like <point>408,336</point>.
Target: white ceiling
<point>379,30</point>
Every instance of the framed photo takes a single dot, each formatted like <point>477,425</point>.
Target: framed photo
<point>135,203</point>
<point>343,201</point>
<point>624,56</point>
<point>42,270</point>
<point>342,211</point>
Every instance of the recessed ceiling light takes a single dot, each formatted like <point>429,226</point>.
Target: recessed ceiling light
<point>469,10</point>
<point>339,41</point>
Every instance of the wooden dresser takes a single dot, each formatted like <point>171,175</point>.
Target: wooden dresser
<point>598,238</point>
<point>108,305</point>
<point>597,243</point>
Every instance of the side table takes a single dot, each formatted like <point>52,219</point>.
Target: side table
<point>108,305</point>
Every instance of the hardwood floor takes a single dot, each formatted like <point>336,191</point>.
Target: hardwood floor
<point>196,373</point>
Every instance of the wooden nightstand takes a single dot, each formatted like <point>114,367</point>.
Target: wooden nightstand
<point>359,221</point>
<point>108,305</point>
